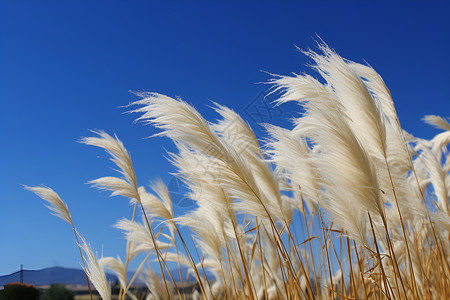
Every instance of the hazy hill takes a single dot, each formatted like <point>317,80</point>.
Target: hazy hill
<point>48,276</point>
<point>65,276</point>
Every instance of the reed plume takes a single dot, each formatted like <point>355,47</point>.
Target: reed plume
<point>345,204</point>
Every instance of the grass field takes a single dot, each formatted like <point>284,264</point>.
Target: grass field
<point>343,205</point>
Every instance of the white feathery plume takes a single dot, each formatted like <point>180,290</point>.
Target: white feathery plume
<point>214,200</point>
<point>214,204</point>
<point>416,241</point>
<point>236,132</point>
<point>177,257</point>
<point>446,168</point>
<point>208,228</point>
<point>442,219</point>
<point>439,143</point>
<point>396,152</point>
<point>271,264</point>
<point>154,206</point>
<point>139,234</point>
<point>242,180</point>
<point>376,85</point>
<point>118,186</point>
<point>399,167</point>
<point>163,193</point>
<point>242,185</point>
<point>217,288</point>
<point>215,268</point>
<point>95,271</point>
<point>201,173</point>
<point>183,124</point>
<point>132,250</point>
<point>363,111</point>
<point>196,295</point>
<point>214,222</point>
<point>60,209</point>
<point>136,234</point>
<point>117,266</point>
<point>437,177</point>
<point>397,156</point>
<point>179,121</point>
<point>238,135</point>
<point>55,203</point>
<point>422,177</point>
<point>156,285</point>
<point>120,156</point>
<point>437,122</point>
<point>265,178</point>
<point>347,174</point>
<point>446,165</point>
<point>298,88</point>
<point>291,156</point>
<point>195,167</point>
<point>396,149</point>
<point>131,295</point>
<point>287,206</point>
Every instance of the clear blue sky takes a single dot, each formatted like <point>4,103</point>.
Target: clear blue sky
<point>67,66</point>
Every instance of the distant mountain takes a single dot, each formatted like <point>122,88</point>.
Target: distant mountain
<point>50,275</point>
<point>71,276</point>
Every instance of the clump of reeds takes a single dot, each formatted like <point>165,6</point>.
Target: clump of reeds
<point>345,205</point>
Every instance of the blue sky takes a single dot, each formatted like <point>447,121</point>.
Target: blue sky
<point>67,66</point>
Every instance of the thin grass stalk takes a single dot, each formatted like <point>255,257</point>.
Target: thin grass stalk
<point>308,282</point>
<point>427,282</point>
<point>232,219</point>
<point>231,268</point>
<point>291,273</point>
<point>292,245</point>
<point>206,277</point>
<point>82,260</point>
<point>397,272</point>
<point>254,245</point>
<point>352,280</point>
<point>178,262</point>
<point>444,277</point>
<point>427,276</point>
<point>224,280</point>
<point>192,261</point>
<point>296,251</point>
<point>241,277</point>
<point>158,255</point>
<point>337,258</point>
<point>248,279</point>
<point>136,273</point>
<point>342,259</point>
<point>311,251</point>
<point>284,259</point>
<point>385,281</point>
<point>127,261</point>
<point>285,255</point>
<point>277,237</point>
<point>284,276</point>
<point>203,268</point>
<point>326,252</point>
<point>360,270</point>
<point>403,230</point>
<point>262,261</point>
<point>244,262</point>
<point>441,255</point>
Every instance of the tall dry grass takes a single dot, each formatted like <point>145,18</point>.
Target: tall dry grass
<point>345,205</point>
